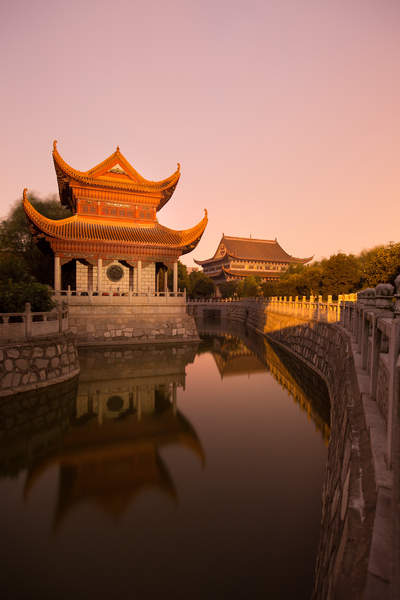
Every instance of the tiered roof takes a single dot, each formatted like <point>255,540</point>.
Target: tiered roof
<point>80,228</point>
<point>115,207</point>
<point>252,250</point>
<point>114,173</point>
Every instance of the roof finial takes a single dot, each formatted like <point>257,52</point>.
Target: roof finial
<point>24,194</point>
<point>117,148</point>
<point>205,213</point>
<point>179,166</point>
<point>54,145</point>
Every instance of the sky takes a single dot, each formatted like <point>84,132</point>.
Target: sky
<point>284,114</point>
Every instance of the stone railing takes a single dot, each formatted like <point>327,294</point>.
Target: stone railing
<point>88,297</point>
<point>312,308</point>
<point>374,323</point>
<point>27,325</point>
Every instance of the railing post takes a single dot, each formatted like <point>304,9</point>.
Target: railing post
<point>28,320</point>
<point>60,317</point>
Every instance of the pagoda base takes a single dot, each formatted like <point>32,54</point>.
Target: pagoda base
<point>160,320</point>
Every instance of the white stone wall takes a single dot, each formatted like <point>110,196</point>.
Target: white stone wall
<point>148,278</point>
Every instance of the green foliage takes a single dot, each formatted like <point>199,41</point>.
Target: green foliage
<point>249,287</point>
<point>228,289</point>
<point>14,295</point>
<point>200,286</point>
<point>380,264</point>
<point>13,268</point>
<point>15,237</point>
<point>183,277</point>
<point>339,274</point>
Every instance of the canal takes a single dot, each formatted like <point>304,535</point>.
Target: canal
<point>187,471</point>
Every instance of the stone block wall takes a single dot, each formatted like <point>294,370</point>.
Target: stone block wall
<point>131,324</point>
<point>37,363</point>
<point>349,493</point>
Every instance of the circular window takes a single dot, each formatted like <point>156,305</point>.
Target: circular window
<point>115,403</point>
<point>115,273</point>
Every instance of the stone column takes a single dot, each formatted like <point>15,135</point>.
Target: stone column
<point>139,276</point>
<point>99,273</point>
<point>90,278</point>
<point>130,278</point>
<point>165,281</point>
<point>57,274</point>
<point>175,286</point>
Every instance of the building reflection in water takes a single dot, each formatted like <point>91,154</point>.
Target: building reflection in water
<point>126,412</point>
<point>238,351</point>
<point>106,444</point>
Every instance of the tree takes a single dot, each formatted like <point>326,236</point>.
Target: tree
<point>228,288</point>
<point>17,287</point>
<point>249,287</point>
<point>200,286</point>
<point>16,238</point>
<point>183,277</point>
<point>380,265</point>
<point>341,274</point>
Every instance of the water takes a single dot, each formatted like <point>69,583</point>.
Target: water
<point>178,472</point>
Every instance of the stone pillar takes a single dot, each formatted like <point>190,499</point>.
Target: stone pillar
<point>139,276</point>
<point>90,278</point>
<point>57,274</point>
<point>131,278</point>
<point>175,286</point>
<point>99,273</point>
<point>165,282</point>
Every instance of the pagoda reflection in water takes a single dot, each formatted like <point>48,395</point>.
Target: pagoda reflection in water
<point>126,412</point>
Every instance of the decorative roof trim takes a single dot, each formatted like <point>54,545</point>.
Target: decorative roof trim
<point>82,229</point>
<point>164,187</point>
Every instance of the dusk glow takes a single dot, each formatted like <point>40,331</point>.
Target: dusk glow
<point>283,114</point>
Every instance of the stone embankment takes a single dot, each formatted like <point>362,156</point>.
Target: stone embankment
<point>36,363</point>
<point>122,326</point>
<point>358,358</point>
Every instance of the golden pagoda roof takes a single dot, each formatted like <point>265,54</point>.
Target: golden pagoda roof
<point>117,173</point>
<point>251,249</point>
<point>81,228</point>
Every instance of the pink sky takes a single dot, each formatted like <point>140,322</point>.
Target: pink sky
<point>284,114</point>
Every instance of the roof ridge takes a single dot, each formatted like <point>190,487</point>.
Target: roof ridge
<point>231,237</point>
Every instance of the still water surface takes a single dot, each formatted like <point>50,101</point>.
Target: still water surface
<point>177,472</point>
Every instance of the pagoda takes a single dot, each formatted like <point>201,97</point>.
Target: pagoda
<point>237,258</point>
<point>114,235</point>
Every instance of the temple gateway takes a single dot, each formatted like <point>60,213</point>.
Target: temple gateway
<point>113,235</point>
<point>237,258</point>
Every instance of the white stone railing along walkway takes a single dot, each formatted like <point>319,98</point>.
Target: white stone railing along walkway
<point>117,298</point>
<point>313,307</point>
<point>27,325</point>
<point>374,323</point>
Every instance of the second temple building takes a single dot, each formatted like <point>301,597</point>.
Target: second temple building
<point>237,258</point>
